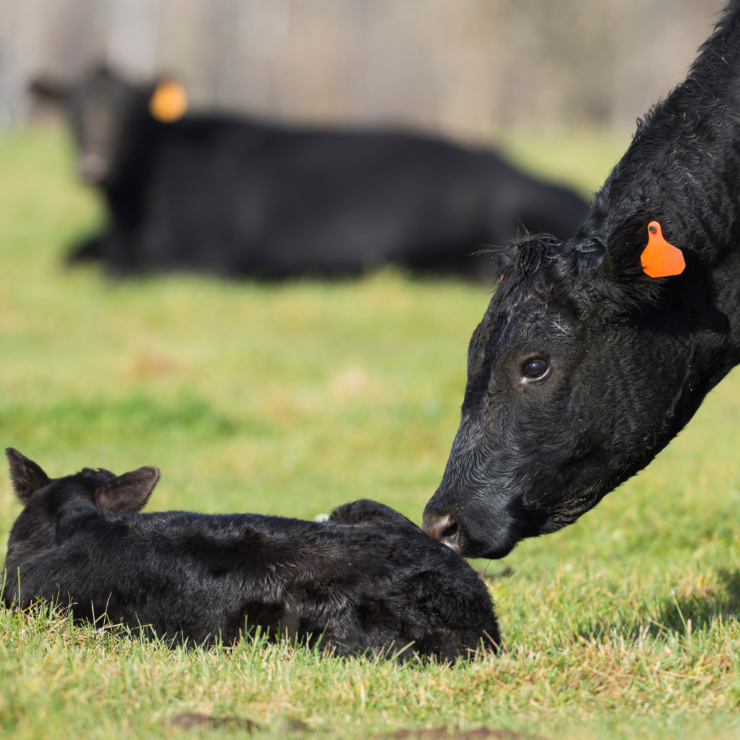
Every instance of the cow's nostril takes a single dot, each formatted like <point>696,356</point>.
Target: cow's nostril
<point>444,530</point>
<point>450,533</point>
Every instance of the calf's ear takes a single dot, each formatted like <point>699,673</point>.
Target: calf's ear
<point>365,511</point>
<point>25,475</point>
<point>129,492</point>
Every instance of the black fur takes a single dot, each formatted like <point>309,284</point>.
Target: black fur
<point>630,357</point>
<point>368,580</point>
<point>241,197</point>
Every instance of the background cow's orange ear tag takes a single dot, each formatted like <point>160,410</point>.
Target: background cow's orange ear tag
<point>661,259</point>
<point>168,102</point>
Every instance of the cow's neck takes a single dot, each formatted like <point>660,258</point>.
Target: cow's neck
<point>687,154</point>
<point>682,167</point>
<point>716,70</point>
<point>128,187</point>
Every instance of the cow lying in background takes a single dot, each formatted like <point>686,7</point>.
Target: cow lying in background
<point>241,197</point>
<point>368,580</point>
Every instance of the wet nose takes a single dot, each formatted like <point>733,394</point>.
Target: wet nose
<point>443,528</point>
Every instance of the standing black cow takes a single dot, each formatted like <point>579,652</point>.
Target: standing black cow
<point>241,197</point>
<point>589,360</point>
<point>366,580</point>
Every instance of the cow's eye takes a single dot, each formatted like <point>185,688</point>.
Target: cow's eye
<point>535,368</point>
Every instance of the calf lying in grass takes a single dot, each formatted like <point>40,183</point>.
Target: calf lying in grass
<point>366,580</point>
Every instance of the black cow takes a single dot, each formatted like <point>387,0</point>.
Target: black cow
<point>368,580</point>
<point>242,197</point>
<point>589,361</point>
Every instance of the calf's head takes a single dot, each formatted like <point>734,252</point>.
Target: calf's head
<point>578,375</point>
<point>123,494</point>
<point>103,109</point>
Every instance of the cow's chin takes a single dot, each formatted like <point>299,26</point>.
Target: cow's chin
<point>485,551</point>
<point>493,544</point>
<point>473,531</point>
<point>481,531</point>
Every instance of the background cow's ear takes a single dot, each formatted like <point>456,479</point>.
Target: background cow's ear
<point>625,244</point>
<point>102,72</point>
<point>169,101</point>
<point>26,476</point>
<point>47,90</point>
<point>129,492</point>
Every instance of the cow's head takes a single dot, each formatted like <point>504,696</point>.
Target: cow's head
<point>102,109</point>
<point>579,373</point>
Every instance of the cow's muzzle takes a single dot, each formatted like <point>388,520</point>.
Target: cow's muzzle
<point>442,527</point>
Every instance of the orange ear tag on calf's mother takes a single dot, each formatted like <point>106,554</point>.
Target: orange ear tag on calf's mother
<point>661,259</point>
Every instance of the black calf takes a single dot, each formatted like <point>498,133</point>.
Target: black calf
<point>366,580</point>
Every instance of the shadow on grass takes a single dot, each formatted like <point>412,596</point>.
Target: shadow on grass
<point>702,608</point>
<point>697,609</point>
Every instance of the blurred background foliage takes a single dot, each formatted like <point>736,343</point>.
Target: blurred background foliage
<point>462,67</point>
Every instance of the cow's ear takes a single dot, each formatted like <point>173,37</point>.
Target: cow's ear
<point>626,242</point>
<point>47,90</point>
<point>638,249</point>
<point>169,101</point>
<point>26,476</point>
<point>129,492</point>
<point>102,72</point>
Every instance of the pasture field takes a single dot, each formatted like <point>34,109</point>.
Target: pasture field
<point>291,399</point>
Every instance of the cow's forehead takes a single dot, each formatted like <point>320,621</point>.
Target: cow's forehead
<point>545,275</point>
<point>525,301</point>
<point>101,86</point>
<point>542,302</point>
<point>536,316</point>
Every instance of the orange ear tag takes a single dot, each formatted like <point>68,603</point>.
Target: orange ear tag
<point>661,259</point>
<point>168,102</point>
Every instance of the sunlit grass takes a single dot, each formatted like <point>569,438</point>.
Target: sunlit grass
<point>291,399</point>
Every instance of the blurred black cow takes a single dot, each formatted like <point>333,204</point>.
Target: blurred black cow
<point>242,197</point>
<point>368,580</point>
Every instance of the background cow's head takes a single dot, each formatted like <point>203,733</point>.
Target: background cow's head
<point>103,109</point>
<point>581,371</point>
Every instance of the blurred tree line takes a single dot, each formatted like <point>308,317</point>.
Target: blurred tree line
<point>465,67</point>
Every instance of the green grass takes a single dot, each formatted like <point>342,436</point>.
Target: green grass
<point>292,399</point>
